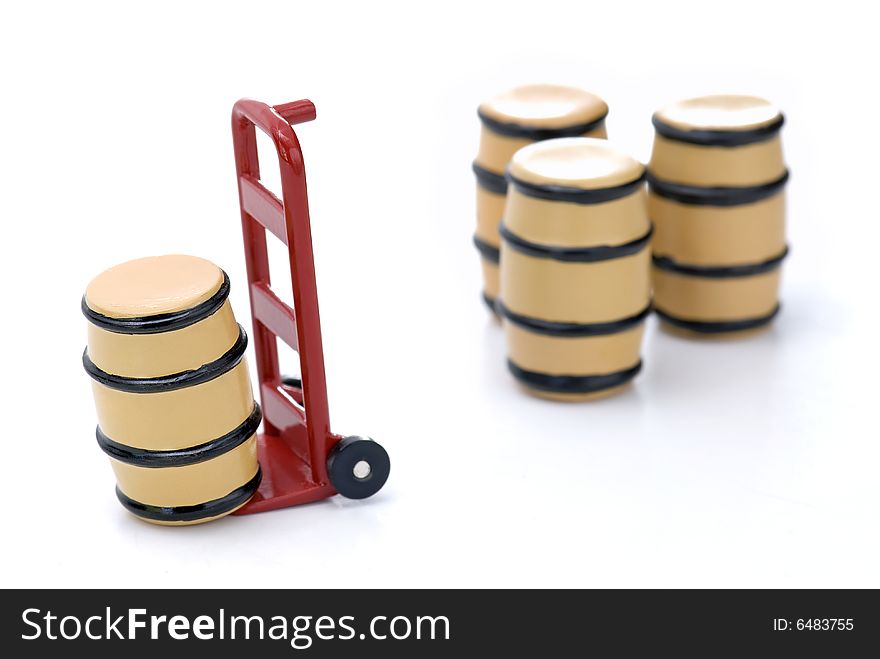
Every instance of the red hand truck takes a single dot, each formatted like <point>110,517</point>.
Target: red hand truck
<point>301,460</point>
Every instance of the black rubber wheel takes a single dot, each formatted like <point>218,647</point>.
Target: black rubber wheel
<point>358,467</point>
<point>291,381</point>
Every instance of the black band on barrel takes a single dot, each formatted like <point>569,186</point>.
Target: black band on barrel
<point>536,133</point>
<point>552,192</point>
<point>571,330</point>
<point>490,302</point>
<point>573,384</point>
<point>195,512</point>
<point>728,138</point>
<point>575,254</point>
<point>487,251</point>
<point>490,181</point>
<point>214,369</point>
<point>718,326</point>
<point>184,456</point>
<point>715,196</point>
<point>721,271</point>
<point>165,322</point>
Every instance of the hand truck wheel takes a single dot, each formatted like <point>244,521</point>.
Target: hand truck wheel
<point>358,467</point>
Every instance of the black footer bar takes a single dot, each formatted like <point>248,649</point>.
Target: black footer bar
<point>438,623</point>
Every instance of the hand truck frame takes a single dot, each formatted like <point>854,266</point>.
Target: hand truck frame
<point>301,459</point>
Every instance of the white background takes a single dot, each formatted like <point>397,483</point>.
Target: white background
<point>751,463</point>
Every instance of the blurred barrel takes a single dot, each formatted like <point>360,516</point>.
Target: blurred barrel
<point>717,199</point>
<point>176,413</point>
<point>575,259</point>
<point>510,121</point>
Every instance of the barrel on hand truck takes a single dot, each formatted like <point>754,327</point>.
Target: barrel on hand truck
<point>175,407</point>
<point>176,415</point>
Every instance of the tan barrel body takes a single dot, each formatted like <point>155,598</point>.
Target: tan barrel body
<point>175,408</point>
<point>509,122</point>
<point>575,259</point>
<point>716,197</point>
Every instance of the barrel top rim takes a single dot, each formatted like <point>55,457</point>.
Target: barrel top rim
<point>585,163</point>
<point>153,285</point>
<point>720,112</point>
<point>544,106</point>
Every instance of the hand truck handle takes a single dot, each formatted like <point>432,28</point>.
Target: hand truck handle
<point>296,112</point>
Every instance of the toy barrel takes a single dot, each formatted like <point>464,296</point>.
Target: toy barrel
<point>575,287</point>
<point>717,199</point>
<point>510,121</point>
<point>176,414</point>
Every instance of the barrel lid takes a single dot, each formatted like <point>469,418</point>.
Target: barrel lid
<point>720,113</point>
<point>543,106</point>
<point>585,163</point>
<point>153,285</point>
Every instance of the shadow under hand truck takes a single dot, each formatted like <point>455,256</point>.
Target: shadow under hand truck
<point>302,461</point>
